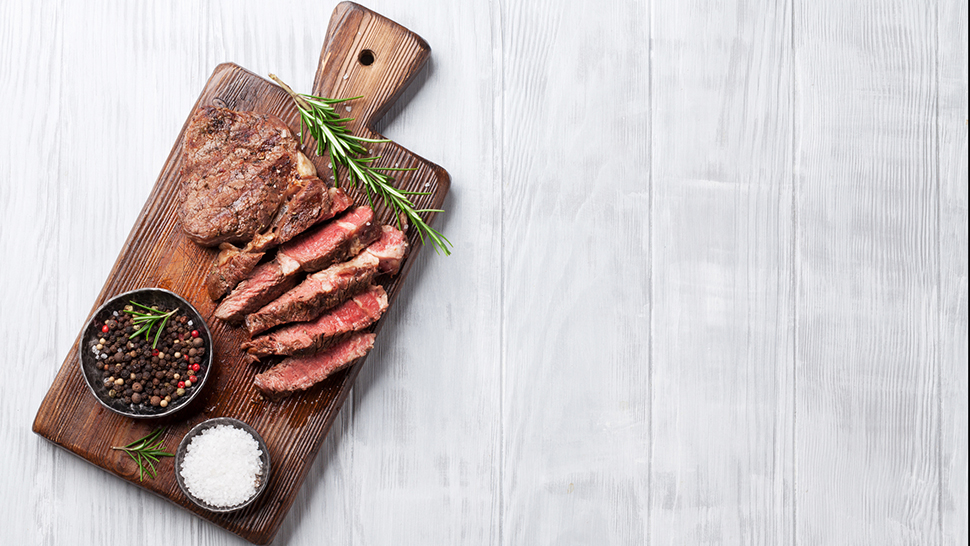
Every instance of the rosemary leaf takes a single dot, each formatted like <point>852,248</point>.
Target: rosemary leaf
<point>143,450</point>
<point>147,321</point>
<point>320,120</point>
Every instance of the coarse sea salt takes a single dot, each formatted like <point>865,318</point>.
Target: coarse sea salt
<point>222,466</point>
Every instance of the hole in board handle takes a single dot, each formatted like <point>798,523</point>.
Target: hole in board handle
<point>366,57</point>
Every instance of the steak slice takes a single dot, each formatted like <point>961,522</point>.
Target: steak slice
<point>307,337</point>
<point>390,250</point>
<point>302,372</point>
<point>231,266</point>
<point>313,203</point>
<point>335,242</point>
<point>266,283</point>
<point>315,294</point>
<point>236,168</point>
<point>325,289</point>
<point>234,264</point>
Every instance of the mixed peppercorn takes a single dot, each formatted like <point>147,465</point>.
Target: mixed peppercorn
<point>142,375</point>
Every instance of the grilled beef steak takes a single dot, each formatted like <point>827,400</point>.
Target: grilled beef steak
<point>232,265</point>
<point>335,242</point>
<point>329,287</point>
<point>302,372</point>
<point>389,250</point>
<point>236,169</point>
<point>267,282</point>
<point>312,203</point>
<point>307,337</point>
<point>341,239</point>
<point>315,294</point>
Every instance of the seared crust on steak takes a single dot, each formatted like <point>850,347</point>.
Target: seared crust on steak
<point>325,289</point>
<point>315,294</point>
<point>335,241</point>
<point>267,282</point>
<point>311,202</point>
<point>352,315</point>
<point>231,266</point>
<point>236,169</point>
<point>307,204</point>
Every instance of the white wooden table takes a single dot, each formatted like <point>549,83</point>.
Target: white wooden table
<point>709,282</point>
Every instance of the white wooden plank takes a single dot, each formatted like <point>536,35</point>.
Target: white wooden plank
<point>29,201</point>
<point>722,458</point>
<point>575,155</point>
<point>952,42</point>
<point>867,412</point>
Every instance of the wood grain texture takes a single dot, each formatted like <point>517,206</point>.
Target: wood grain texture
<point>867,362</point>
<point>575,260</point>
<point>158,254</point>
<point>722,458</point>
<point>36,481</point>
<point>481,402</point>
<point>952,119</point>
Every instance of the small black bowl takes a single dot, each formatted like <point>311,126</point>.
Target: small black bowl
<point>262,478</point>
<point>92,333</point>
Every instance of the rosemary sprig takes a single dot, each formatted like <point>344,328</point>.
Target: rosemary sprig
<point>145,451</point>
<point>320,119</point>
<point>146,320</point>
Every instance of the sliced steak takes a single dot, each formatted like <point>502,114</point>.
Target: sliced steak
<point>334,242</point>
<point>390,250</point>
<point>231,266</point>
<point>315,294</point>
<point>312,203</point>
<point>307,337</point>
<point>234,264</point>
<point>325,289</point>
<point>301,373</point>
<point>267,282</point>
<point>236,168</point>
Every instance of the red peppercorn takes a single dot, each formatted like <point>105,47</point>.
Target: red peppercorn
<point>195,367</point>
<point>186,358</point>
<point>195,333</point>
<point>181,384</point>
<point>193,379</point>
<point>154,352</point>
<point>105,328</point>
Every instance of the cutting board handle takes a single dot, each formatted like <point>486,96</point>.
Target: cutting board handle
<point>367,54</point>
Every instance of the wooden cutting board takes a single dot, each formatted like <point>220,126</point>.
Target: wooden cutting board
<point>363,54</point>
